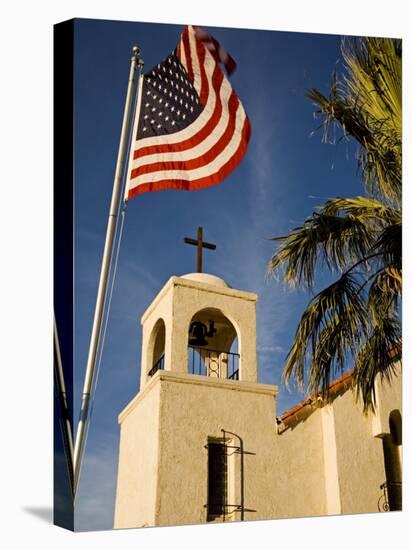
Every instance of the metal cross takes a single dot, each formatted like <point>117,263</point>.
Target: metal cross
<point>200,244</point>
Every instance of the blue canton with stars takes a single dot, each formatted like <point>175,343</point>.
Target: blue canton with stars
<point>169,100</point>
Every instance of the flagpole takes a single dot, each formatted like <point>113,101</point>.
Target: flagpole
<point>105,270</point>
<point>62,395</point>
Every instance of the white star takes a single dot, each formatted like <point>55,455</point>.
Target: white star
<point>146,116</point>
<point>183,116</point>
<point>181,102</point>
<point>167,118</point>
<point>167,80</point>
<point>166,104</point>
<point>154,84</point>
<point>191,109</point>
<point>177,86</point>
<point>174,63</point>
<point>187,94</point>
<point>178,112</point>
<point>144,128</point>
<point>173,122</point>
<point>152,121</point>
<point>186,105</point>
<point>191,97</point>
<point>155,96</point>
<point>160,100</point>
<point>153,109</point>
<point>158,65</point>
<point>159,125</point>
<point>172,109</point>
<point>182,90</point>
<point>148,79</point>
<point>164,70</point>
<point>160,88</point>
<point>170,94</point>
<point>170,71</point>
<point>147,104</point>
<point>153,73</point>
<point>161,113</point>
<point>148,92</point>
<point>165,91</point>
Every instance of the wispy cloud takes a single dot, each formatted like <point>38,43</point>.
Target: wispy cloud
<point>94,508</point>
<point>272,349</point>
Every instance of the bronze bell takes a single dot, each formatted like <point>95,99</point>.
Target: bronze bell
<point>198,330</point>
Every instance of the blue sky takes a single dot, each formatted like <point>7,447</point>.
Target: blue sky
<point>285,174</point>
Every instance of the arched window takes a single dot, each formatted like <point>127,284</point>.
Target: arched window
<point>393,465</point>
<point>395,426</point>
<point>213,345</point>
<point>156,348</point>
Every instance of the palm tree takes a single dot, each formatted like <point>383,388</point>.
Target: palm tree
<point>357,316</point>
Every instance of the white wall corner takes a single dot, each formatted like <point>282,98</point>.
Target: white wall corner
<point>331,472</point>
<point>378,430</point>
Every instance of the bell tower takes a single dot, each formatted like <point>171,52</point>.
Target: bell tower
<point>193,307</point>
<point>181,456</point>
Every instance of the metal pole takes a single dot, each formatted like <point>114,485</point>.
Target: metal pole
<point>61,391</point>
<point>199,249</point>
<point>105,269</point>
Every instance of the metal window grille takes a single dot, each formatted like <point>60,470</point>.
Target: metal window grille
<point>217,480</point>
<point>218,505</point>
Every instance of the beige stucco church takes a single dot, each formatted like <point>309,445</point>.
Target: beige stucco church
<point>201,441</point>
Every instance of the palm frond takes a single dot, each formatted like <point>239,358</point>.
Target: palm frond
<point>379,356</point>
<point>389,244</point>
<point>366,104</point>
<point>336,240</point>
<point>384,293</point>
<point>359,237</point>
<point>333,323</point>
<point>367,209</point>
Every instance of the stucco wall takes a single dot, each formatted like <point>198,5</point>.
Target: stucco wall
<point>138,459</point>
<point>359,449</point>
<point>194,408</point>
<point>360,457</point>
<point>389,398</point>
<point>301,484</point>
<point>329,463</point>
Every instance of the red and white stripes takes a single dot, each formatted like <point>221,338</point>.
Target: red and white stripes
<point>207,150</point>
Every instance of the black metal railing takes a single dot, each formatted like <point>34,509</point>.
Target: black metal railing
<point>215,363</point>
<point>159,365</point>
<point>391,499</point>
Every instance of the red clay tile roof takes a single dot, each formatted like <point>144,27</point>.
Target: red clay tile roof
<point>299,412</point>
<point>302,410</point>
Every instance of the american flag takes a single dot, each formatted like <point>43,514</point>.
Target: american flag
<point>192,130</point>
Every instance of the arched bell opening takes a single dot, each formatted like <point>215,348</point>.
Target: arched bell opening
<point>156,348</point>
<point>213,345</point>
